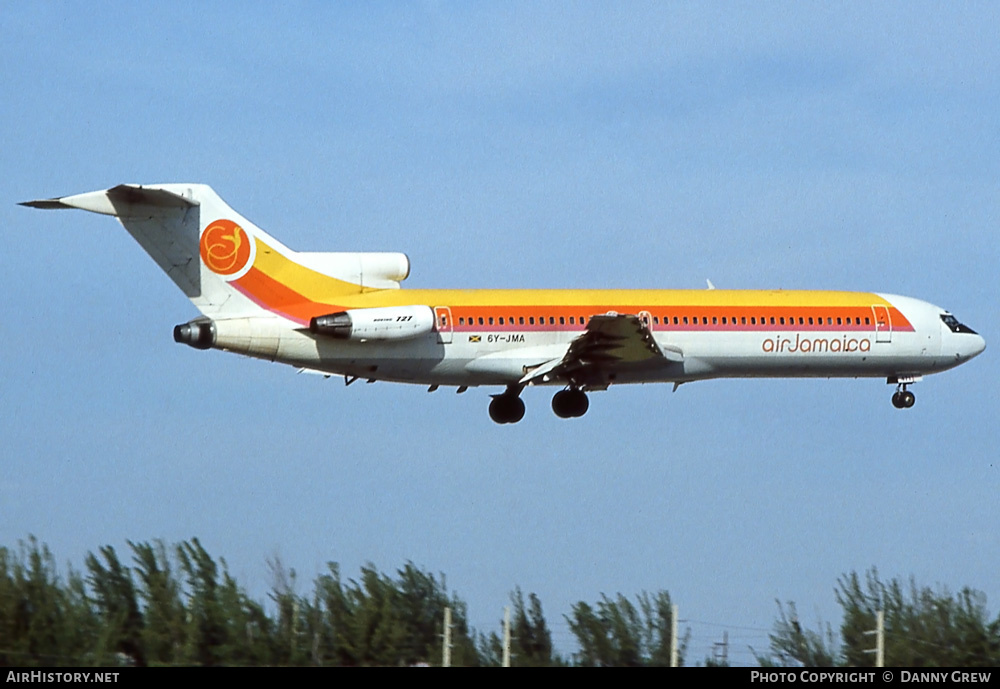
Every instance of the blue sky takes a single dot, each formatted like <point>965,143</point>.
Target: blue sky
<point>761,145</point>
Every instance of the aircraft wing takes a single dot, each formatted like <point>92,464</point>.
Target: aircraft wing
<point>610,341</point>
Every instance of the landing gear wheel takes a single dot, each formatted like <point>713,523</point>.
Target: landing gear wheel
<point>507,408</point>
<point>903,399</point>
<point>570,403</point>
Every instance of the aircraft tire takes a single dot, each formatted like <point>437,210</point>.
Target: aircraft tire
<point>570,403</point>
<point>507,409</point>
<point>903,399</point>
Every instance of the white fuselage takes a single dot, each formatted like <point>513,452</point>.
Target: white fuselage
<point>474,355</point>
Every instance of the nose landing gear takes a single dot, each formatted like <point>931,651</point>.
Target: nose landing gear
<point>903,398</point>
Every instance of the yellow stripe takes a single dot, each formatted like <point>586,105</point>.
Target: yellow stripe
<point>307,282</point>
<point>319,288</point>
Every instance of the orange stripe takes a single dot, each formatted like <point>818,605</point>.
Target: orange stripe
<point>276,297</point>
<point>823,317</point>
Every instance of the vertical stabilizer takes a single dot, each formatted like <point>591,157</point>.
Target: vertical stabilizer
<point>227,266</point>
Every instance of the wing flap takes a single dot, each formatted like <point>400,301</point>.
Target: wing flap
<point>610,340</point>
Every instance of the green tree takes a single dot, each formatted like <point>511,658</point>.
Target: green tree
<point>249,632</point>
<point>42,620</point>
<point>290,645</point>
<point>531,641</point>
<point>923,627</point>
<point>163,632</point>
<point>793,645</point>
<point>378,620</point>
<point>206,627</point>
<point>115,601</point>
<point>619,633</point>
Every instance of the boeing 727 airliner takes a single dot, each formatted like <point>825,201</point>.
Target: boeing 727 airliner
<point>345,314</point>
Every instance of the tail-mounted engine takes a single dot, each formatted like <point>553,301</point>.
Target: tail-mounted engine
<point>199,333</point>
<point>382,323</point>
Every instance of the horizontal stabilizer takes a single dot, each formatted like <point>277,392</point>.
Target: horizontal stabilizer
<point>121,201</point>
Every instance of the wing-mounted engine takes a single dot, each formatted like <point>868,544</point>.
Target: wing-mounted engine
<point>382,323</point>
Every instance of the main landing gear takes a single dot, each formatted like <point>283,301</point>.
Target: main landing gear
<point>507,407</point>
<point>570,403</point>
<point>903,398</point>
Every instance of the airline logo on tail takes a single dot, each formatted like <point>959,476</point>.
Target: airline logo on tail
<point>227,249</point>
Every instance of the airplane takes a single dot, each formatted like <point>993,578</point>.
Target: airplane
<point>345,314</point>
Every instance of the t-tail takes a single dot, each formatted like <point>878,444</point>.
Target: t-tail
<point>229,268</point>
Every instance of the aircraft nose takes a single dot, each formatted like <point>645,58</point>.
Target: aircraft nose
<point>977,346</point>
<point>969,345</point>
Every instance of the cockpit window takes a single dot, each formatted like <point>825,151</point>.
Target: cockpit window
<point>954,325</point>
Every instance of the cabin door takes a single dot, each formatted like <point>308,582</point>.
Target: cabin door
<point>443,324</point>
<point>883,324</point>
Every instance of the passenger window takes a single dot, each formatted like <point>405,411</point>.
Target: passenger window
<point>532,320</point>
<point>562,320</point>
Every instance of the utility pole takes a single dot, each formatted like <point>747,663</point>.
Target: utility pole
<point>673,635</point>
<point>720,650</point>
<point>446,651</point>
<point>506,636</point>
<point>879,633</point>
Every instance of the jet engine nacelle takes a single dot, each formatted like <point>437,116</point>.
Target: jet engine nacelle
<point>383,323</point>
<point>199,333</point>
